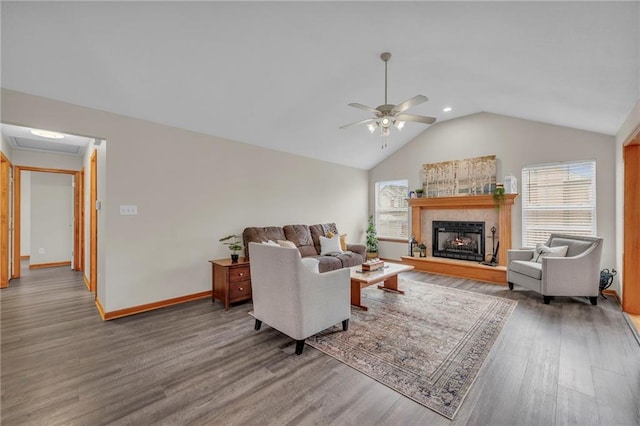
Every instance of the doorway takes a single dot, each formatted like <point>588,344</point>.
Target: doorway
<point>93,225</point>
<point>78,213</point>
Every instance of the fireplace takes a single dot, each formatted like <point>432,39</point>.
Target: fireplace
<point>459,240</point>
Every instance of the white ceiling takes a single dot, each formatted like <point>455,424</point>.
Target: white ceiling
<point>280,75</point>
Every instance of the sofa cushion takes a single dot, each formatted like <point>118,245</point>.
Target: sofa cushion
<point>575,247</point>
<point>545,251</point>
<point>528,268</point>
<point>350,259</point>
<point>301,237</point>
<point>259,235</point>
<point>329,245</point>
<point>327,263</point>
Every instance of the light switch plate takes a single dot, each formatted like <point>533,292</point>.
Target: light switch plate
<point>128,210</point>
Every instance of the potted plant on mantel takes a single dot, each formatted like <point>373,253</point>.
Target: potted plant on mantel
<point>372,239</point>
<point>419,192</point>
<point>498,195</point>
<point>233,242</point>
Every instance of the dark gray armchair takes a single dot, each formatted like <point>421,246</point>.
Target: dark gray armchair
<point>575,274</point>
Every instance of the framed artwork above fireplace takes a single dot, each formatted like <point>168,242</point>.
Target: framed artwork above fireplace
<point>471,176</point>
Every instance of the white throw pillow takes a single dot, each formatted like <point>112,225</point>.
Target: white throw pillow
<point>546,251</point>
<point>311,264</point>
<point>330,245</point>
<point>271,243</point>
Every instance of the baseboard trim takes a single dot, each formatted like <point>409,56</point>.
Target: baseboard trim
<point>27,257</point>
<point>155,305</point>
<point>100,309</point>
<point>613,294</point>
<point>86,282</point>
<point>49,265</point>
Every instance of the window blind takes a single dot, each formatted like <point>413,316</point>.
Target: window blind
<point>558,198</point>
<point>391,209</point>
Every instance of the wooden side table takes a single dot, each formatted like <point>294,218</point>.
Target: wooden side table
<point>230,282</point>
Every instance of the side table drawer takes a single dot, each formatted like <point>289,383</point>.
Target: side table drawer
<point>241,289</point>
<point>239,274</point>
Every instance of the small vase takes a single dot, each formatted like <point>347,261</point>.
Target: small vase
<point>234,258</point>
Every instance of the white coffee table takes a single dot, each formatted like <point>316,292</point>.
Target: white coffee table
<point>388,276</point>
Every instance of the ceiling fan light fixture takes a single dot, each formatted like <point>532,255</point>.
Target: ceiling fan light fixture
<point>372,127</point>
<point>399,124</point>
<point>385,122</point>
<point>47,134</point>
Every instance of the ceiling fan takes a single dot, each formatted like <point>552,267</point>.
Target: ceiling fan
<point>388,115</point>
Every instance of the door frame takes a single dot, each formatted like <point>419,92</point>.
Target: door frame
<point>93,223</point>
<point>78,243</point>
<point>631,228</point>
<point>5,221</point>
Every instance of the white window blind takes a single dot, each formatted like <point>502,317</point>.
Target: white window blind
<point>391,209</point>
<point>558,198</point>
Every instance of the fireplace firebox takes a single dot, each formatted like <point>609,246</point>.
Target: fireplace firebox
<point>459,240</point>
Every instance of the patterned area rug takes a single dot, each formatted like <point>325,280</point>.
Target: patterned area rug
<point>427,344</point>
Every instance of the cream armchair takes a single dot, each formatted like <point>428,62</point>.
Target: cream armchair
<point>290,297</point>
<point>575,274</point>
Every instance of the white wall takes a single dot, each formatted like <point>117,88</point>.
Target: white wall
<point>51,217</point>
<point>46,160</point>
<point>191,189</point>
<point>5,148</point>
<point>25,213</point>
<point>516,143</point>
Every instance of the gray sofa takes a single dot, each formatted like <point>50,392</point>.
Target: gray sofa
<point>307,240</point>
<point>577,273</point>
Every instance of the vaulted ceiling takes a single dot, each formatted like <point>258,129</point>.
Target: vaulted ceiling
<point>280,75</point>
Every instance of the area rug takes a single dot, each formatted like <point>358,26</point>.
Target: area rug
<point>428,344</point>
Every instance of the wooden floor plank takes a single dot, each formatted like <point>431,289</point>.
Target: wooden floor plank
<point>196,363</point>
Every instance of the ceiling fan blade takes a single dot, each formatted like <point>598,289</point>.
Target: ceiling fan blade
<point>364,107</point>
<point>416,100</point>
<point>416,118</point>
<point>368,120</point>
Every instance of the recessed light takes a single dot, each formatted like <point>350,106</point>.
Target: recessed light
<point>47,134</point>
<point>447,109</point>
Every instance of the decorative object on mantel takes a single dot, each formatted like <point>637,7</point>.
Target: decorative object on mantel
<point>388,115</point>
<point>234,244</point>
<point>429,348</point>
<point>472,176</point>
<point>413,246</point>
<point>423,250</point>
<point>510,184</point>
<point>372,239</point>
<point>419,192</point>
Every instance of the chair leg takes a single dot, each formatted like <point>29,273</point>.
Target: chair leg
<point>345,325</point>
<point>510,285</point>
<point>547,299</point>
<point>299,346</point>
<point>593,300</point>
<point>258,325</point>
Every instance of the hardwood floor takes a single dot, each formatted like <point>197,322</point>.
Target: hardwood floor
<point>563,363</point>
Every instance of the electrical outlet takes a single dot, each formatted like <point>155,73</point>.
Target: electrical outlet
<point>128,210</point>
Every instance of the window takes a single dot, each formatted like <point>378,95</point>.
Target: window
<point>392,212</point>
<point>558,198</point>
